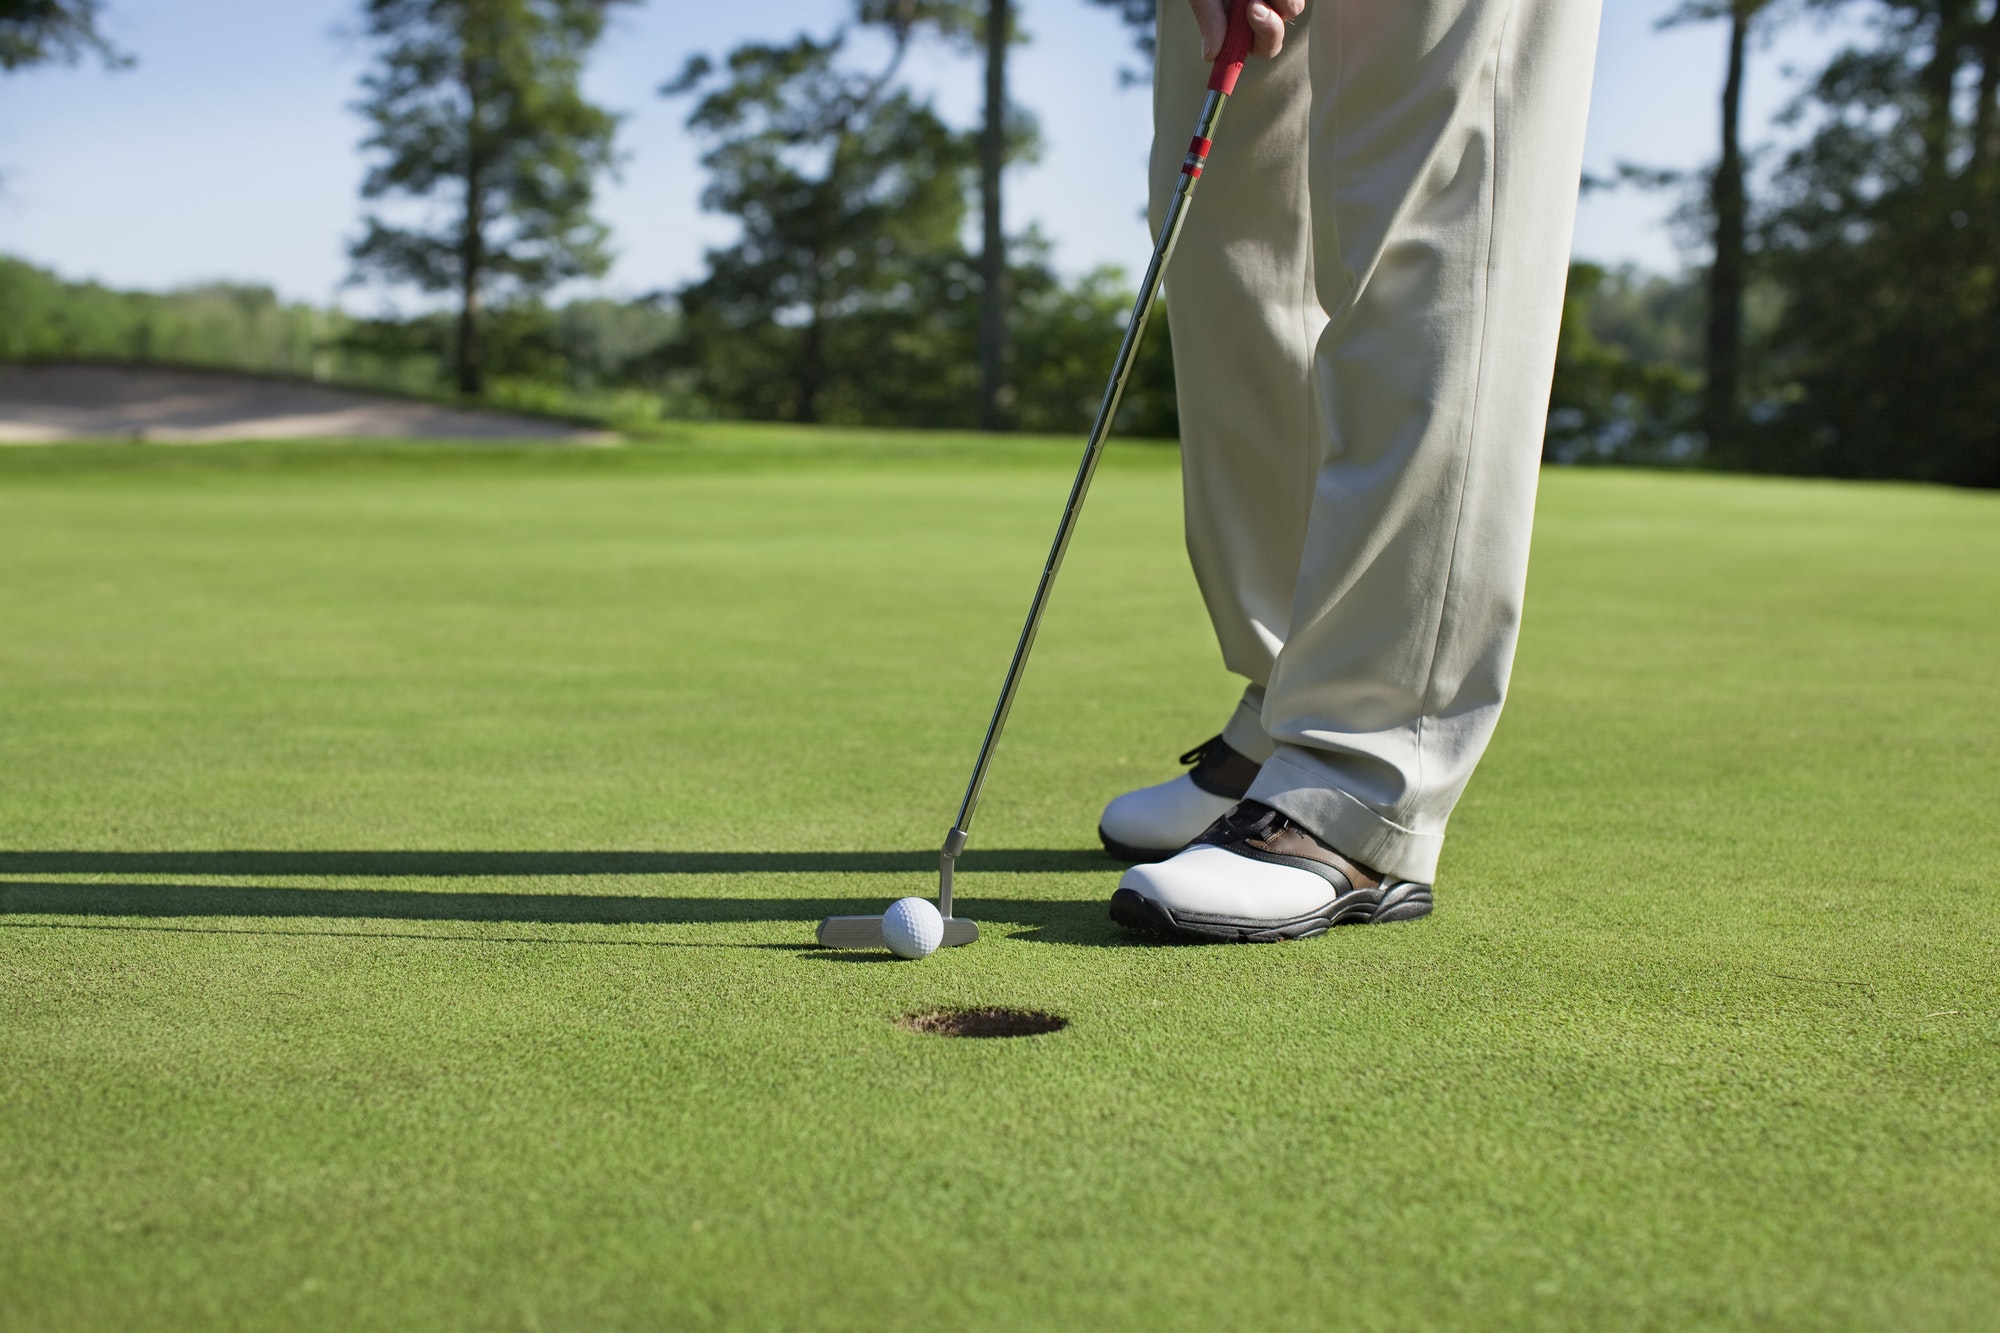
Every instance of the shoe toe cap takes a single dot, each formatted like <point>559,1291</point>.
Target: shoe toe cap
<point>1164,816</point>
<point>1210,883</point>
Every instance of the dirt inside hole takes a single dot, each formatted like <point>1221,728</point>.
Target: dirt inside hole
<point>989,1022</point>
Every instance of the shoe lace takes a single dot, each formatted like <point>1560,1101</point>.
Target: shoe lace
<point>1252,819</point>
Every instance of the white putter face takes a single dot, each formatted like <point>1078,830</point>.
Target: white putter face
<point>865,932</point>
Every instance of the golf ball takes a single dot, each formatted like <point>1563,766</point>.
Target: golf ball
<point>912,928</point>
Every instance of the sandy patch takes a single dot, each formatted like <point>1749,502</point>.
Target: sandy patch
<point>58,401</point>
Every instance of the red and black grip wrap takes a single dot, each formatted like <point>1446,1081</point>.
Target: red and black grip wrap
<point>1236,44</point>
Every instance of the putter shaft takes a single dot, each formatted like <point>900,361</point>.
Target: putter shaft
<point>1093,450</point>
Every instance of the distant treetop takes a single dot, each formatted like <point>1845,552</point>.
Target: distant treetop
<point>36,32</point>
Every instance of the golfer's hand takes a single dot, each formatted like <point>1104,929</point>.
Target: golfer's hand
<point>1267,24</point>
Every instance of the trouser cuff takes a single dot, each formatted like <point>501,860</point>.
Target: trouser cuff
<point>1244,732</point>
<point>1296,786</point>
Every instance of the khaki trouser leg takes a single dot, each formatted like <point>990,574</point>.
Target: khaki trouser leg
<point>1245,320</point>
<point>1444,140</point>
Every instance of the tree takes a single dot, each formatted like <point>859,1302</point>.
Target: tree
<point>1884,232</point>
<point>33,32</point>
<point>1066,335</point>
<point>851,195</point>
<point>850,295</point>
<point>476,111</point>
<point>993,387</point>
<point>1005,135</point>
<point>1727,207</point>
<point>1985,135</point>
<point>1985,138</point>
<point>1142,16</point>
<point>1624,389</point>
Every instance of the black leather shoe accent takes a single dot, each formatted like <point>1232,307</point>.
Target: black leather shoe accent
<point>1131,855</point>
<point>1219,770</point>
<point>1255,830</point>
<point>1135,911</point>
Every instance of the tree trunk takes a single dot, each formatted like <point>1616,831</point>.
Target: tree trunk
<point>1940,80</point>
<point>472,234</point>
<point>1985,151</point>
<point>812,355</point>
<point>471,375</point>
<point>1725,274</point>
<point>805,406</point>
<point>993,390</point>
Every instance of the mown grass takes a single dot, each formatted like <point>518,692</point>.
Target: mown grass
<point>408,857</point>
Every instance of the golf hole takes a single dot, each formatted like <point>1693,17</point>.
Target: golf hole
<point>983,1022</point>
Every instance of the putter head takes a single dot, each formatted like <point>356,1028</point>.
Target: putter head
<point>865,932</point>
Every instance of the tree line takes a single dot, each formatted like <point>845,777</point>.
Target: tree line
<point>1850,299</point>
<point>1842,320</point>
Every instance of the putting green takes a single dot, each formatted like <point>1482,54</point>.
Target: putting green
<point>407,858</point>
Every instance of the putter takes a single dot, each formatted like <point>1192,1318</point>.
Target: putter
<point>865,932</point>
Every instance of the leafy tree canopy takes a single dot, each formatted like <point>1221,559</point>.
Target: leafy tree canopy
<point>850,192</point>
<point>476,113</point>
<point>1884,233</point>
<point>34,32</point>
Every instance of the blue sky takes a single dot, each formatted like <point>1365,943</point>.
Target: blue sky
<point>230,151</point>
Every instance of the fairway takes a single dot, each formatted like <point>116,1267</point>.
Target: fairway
<point>409,857</point>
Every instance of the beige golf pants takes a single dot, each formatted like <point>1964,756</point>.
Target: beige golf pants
<point>1364,308</point>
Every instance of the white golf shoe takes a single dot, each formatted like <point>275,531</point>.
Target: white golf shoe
<point>1257,876</point>
<point>1153,823</point>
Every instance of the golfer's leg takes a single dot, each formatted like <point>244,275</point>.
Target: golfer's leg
<point>1446,150</point>
<point>1245,320</point>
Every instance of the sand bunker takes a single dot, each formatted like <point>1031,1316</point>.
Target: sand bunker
<point>53,402</point>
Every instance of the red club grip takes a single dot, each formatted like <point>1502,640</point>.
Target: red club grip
<point>1236,44</point>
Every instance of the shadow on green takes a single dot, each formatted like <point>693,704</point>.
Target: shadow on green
<point>1046,921</point>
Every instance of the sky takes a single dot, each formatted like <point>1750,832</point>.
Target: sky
<point>231,150</point>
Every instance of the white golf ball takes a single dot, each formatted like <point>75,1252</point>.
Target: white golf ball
<point>912,928</point>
